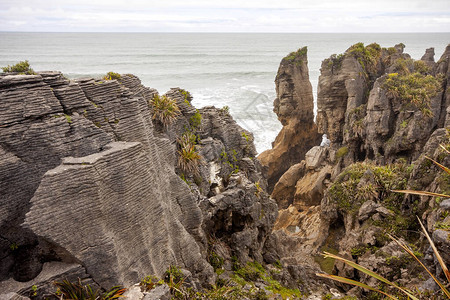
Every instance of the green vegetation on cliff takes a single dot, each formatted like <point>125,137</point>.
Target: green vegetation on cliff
<point>189,159</point>
<point>22,67</point>
<point>335,61</point>
<point>374,197</point>
<point>361,182</point>
<point>187,96</point>
<point>416,89</point>
<point>342,152</point>
<point>364,181</point>
<point>79,291</point>
<point>297,56</point>
<point>367,56</point>
<point>165,109</point>
<point>239,283</point>
<point>111,76</point>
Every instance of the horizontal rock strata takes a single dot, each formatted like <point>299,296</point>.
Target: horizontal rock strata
<point>89,177</point>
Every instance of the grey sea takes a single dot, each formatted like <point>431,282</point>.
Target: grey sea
<point>221,69</point>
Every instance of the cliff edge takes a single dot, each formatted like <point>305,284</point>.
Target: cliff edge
<point>95,186</point>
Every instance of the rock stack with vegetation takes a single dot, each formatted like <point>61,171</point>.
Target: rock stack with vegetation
<point>387,118</point>
<point>294,107</point>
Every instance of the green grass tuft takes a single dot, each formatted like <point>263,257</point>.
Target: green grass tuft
<point>414,89</point>
<point>189,159</point>
<point>22,67</point>
<point>343,151</point>
<point>111,76</point>
<point>297,56</point>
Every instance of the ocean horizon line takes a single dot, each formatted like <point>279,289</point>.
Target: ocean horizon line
<point>239,32</point>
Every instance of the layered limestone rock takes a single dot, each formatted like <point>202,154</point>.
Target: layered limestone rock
<point>361,105</point>
<point>120,214</point>
<point>294,107</point>
<point>443,67</point>
<point>91,179</point>
<point>42,287</point>
<point>383,113</point>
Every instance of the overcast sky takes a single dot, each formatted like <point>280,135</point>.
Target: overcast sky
<point>225,16</point>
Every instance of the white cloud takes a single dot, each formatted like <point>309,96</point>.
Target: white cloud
<point>202,15</point>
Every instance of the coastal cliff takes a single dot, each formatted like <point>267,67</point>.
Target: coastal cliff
<point>384,115</point>
<point>92,187</point>
<point>106,182</point>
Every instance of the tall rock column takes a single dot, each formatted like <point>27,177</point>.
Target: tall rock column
<point>443,67</point>
<point>294,107</point>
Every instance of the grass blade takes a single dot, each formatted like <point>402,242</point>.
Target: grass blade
<point>370,273</point>
<point>436,252</point>
<point>420,193</point>
<point>355,283</point>
<point>404,247</point>
<point>358,267</point>
<point>442,146</point>
<point>447,170</point>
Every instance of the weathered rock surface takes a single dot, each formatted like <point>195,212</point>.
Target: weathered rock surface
<point>161,292</point>
<point>443,67</point>
<point>339,198</point>
<point>356,110</point>
<point>309,189</point>
<point>90,179</point>
<point>104,186</point>
<point>294,107</point>
<point>43,283</point>
<point>341,86</point>
<point>428,57</point>
<point>284,190</point>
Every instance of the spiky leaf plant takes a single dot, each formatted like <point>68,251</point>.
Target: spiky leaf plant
<point>78,291</point>
<point>165,109</point>
<point>189,159</point>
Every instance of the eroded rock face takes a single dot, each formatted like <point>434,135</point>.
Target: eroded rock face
<point>89,177</point>
<point>393,129</point>
<point>35,135</point>
<point>120,214</point>
<point>284,190</point>
<point>443,67</point>
<point>339,198</point>
<point>428,57</point>
<point>341,87</point>
<point>43,283</point>
<point>294,107</point>
<point>359,107</point>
